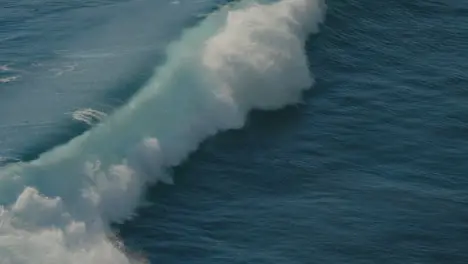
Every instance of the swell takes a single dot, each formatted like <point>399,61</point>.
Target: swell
<point>58,207</point>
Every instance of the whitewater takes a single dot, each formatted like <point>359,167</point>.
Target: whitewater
<point>248,55</point>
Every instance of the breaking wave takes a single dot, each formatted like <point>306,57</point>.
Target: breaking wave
<point>57,209</point>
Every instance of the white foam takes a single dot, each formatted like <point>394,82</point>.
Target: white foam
<point>58,207</point>
<point>65,69</point>
<point>88,116</point>
<point>4,67</point>
<point>9,79</point>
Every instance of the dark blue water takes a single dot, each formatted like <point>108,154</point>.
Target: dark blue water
<point>371,168</point>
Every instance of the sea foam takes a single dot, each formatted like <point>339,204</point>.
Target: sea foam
<point>58,208</point>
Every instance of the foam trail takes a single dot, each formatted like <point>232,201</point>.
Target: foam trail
<point>57,209</point>
<point>9,79</point>
<point>88,116</point>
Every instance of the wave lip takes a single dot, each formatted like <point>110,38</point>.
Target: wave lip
<point>57,209</point>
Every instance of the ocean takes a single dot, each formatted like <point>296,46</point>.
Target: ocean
<point>215,131</point>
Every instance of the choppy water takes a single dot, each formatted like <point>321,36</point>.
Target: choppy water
<point>369,167</point>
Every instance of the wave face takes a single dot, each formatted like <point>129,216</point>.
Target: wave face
<point>57,209</point>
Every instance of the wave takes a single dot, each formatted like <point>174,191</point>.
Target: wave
<point>88,116</point>
<point>58,208</point>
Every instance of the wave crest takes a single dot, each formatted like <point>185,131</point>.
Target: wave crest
<point>239,58</point>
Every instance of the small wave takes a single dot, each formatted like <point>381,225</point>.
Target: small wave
<point>8,68</point>
<point>88,116</point>
<point>65,69</point>
<point>4,67</point>
<point>9,79</point>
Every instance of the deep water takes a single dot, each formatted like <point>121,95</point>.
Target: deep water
<point>370,167</point>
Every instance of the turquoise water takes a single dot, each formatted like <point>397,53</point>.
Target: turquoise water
<point>368,167</point>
